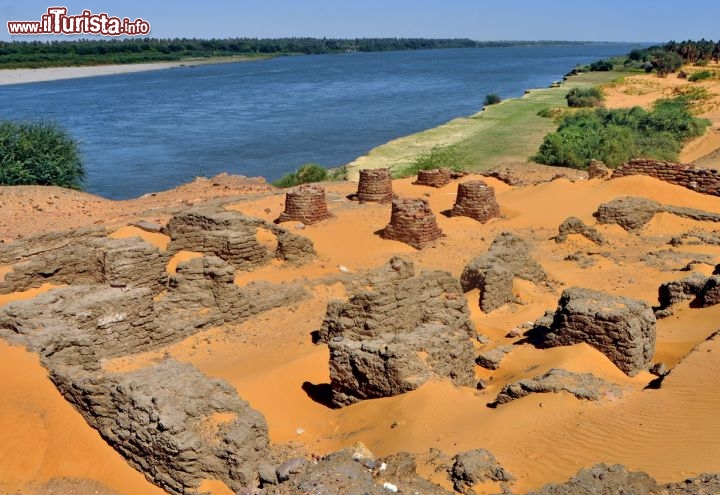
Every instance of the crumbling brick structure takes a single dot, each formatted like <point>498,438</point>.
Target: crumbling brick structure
<point>702,180</point>
<point>306,204</point>
<point>375,185</point>
<point>412,222</point>
<point>438,177</point>
<point>475,199</point>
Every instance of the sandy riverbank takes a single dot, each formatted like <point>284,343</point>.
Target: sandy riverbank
<point>21,76</point>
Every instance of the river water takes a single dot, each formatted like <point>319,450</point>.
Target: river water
<point>152,131</point>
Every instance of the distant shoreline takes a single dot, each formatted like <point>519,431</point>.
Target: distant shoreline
<point>26,76</point>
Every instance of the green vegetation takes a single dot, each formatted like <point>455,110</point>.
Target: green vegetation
<point>663,59</point>
<point>584,97</point>
<point>492,99</point>
<point>602,66</point>
<point>615,136</point>
<point>31,54</point>
<point>436,157</point>
<point>309,172</point>
<point>665,62</point>
<point>551,112</point>
<point>39,153</point>
<point>505,133</point>
<point>701,75</point>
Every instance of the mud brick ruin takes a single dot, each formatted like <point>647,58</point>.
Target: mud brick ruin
<point>375,186</point>
<point>305,204</point>
<point>475,199</point>
<point>412,222</point>
<point>391,338</point>
<point>438,177</point>
<point>702,180</point>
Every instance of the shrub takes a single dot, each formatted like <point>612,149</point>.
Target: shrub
<point>665,62</point>
<point>616,136</point>
<point>39,153</point>
<point>700,76</point>
<point>309,172</point>
<point>437,157</point>
<point>492,99</point>
<point>550,112</point>
<point>601,66</point>
<point>584,97</point>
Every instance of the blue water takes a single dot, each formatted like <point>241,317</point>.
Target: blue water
<point>151,131</point>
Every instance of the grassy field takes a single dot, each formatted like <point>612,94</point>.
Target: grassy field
<point>509,132</point>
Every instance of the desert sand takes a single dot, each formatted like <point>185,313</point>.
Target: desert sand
<point>671,433</point>
<point>540,438</point>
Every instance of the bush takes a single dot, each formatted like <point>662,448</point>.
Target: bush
<point>309,172</point>
<point>700,76</point>
<point>601,66</point>
<point>665,62</point>
<point>616,136</point>
<point>438,157</point>
<point>492,99</point>
<point>584,97</point>
<point>550,112</point>
<point>39,153</point>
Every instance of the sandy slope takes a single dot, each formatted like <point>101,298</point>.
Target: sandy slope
<point>272,362</point>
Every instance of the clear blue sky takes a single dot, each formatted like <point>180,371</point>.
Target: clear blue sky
<point>604,20</point>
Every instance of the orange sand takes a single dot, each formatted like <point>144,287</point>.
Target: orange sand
<point>160,241</point>
<point>270,360</point>
<point>671,433</point>
<point>44,438</point>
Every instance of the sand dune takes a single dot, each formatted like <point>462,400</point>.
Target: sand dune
<point>273,364</point>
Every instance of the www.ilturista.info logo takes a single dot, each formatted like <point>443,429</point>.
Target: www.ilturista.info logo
<point>56,21</point>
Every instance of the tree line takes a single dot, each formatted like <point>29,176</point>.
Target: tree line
<point>16,54</point>
<point>663,59</point>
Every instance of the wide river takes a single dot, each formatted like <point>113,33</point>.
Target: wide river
<point>151,131</point>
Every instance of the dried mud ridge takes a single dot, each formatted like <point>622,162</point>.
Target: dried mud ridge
<point>402,328</point>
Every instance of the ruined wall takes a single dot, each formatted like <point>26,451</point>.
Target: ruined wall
<point>402,331</point>
<point>81,257</point>
<point>438,177</point>
<point>232,237</point>
<point>621,328</point>
<point>702,180</point>
<point>306,204</point>
<point>101,321</point>
<point>375,185</point>
<point>412,222</point>
<point>171,422</point>
<point>475,199</point>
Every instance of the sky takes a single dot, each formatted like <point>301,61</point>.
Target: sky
<point>605,20</point>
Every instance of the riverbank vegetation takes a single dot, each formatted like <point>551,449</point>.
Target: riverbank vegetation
<point>616,136</point>
<point>305,174</point>
<point>34,54</point>
<point>39,153</point>
<point>661,59</point>
<point>584,97</point>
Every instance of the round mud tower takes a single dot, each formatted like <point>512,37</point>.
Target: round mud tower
<point>306,204</point>
<point>475,199</point>
<point>412,222</point>
<point>437,177</point>
<point>375,186</point>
